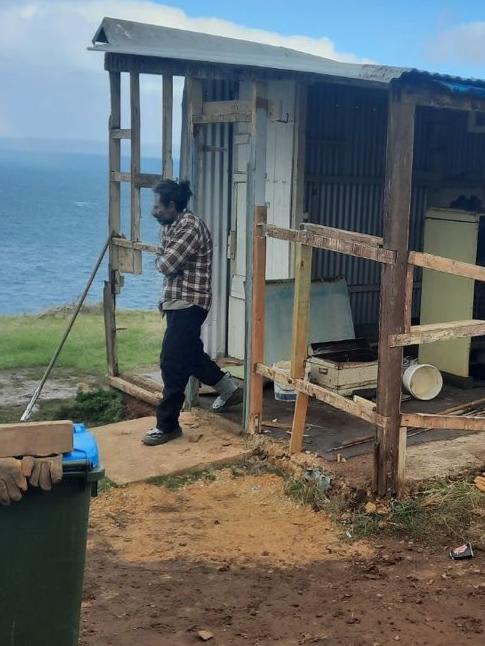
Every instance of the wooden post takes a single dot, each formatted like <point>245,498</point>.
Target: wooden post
<point>167,119</point>
<point>301,322</point>
<point>408,298</point>
<point>256,197</point>
<point>258,313</point>
<point>112,287</point>
<point>190,170</point>
<point>135,155</point>
<point>397,202</point>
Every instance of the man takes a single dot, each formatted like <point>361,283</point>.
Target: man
<point>186,262</point>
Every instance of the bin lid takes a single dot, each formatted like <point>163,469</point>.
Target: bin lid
<point>85,448</point>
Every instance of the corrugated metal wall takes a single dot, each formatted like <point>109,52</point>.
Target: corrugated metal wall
<point>344,176</point>
<point>213,205</point>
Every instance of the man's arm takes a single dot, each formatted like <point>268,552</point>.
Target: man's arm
<point>176,252</point>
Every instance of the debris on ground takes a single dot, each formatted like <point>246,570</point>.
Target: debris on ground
<point>462,552</point>
<point>480,482</point>
<point>205,635</point>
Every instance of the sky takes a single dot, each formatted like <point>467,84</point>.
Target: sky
<point>52,88</point>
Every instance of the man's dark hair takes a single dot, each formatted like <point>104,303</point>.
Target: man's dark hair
<point>171,191</point>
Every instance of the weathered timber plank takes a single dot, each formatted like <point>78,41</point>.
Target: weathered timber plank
<point>351,248</point>
<point>167,126</point>
<point>447,265</point>
<point>343,234</point>
<point>437,332</point>
<point>135,391</point>
<point>451,422</point>
<point>224,112</point>
<point>139,246</point>
<point>408,298</point>
<point>301,310</point>
<point>322,394</point>
<point>35,438</point>
<point>135,154</point>
<point>120,133</point>
<point>258,320</point>
<point>396,217</point>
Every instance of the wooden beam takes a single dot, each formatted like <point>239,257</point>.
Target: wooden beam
<point>300,327</point>
<point>142,180</point>
<point>348,247</point>
<point>113,286</point>
<point>301,310</point>
<point>408,298</point>
<point>450,422</point>
<point>258,321</point>
<point>200,70</point>
<point>255,197</point>
<point>362,411</point>
<point>224,112</point>
<point>35,438</point>
<point>120,133</point>
<point>110,329</point>
<point>343,234</point>
<point>397,206</point>
<point>134,391</point>
<point>447,265</point>
<point>167,126</point>
<point>437,332</point>
<point>135,154</point>
<point>139,246</point>
<point>431,95</point>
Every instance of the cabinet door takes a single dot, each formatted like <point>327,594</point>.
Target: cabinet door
<point>445,297</point>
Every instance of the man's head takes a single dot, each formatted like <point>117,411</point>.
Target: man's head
<point>171,198</point>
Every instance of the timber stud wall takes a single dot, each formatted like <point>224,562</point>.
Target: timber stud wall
<point>391,251</point>
<point>395,330</point>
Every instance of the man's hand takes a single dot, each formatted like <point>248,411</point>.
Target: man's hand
<point>13,480</point>
<point>43,472</point>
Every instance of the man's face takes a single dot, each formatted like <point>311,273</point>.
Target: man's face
<point>162,213</point>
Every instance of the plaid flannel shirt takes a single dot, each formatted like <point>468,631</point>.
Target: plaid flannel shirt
<point>186,261</point>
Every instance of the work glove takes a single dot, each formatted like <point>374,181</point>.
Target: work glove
<point>43,472</point>
<point>13,482</point>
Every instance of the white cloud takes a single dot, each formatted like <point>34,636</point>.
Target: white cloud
<point>463,43</point>
<point>53,87</point>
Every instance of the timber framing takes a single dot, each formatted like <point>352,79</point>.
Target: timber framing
<point>390,250</point>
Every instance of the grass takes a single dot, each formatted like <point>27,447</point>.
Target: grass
<point>94,408</point>
<point>29,341</point>
<point>445,512</point>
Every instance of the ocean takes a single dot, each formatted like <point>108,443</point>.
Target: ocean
<point>53,224</point>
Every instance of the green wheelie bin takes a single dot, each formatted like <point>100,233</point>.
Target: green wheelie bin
<point>42,553</point>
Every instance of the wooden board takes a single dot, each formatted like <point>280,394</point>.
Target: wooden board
<point>438,331</point>
<point>447,265</point>
<point>450,422</point>
<point>362,411</point>
<point>343,234</point>
<point>348,247</point>
<point>35,438</point>
<point>138,392</point>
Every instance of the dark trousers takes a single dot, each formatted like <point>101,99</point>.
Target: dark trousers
<point>182,356</point>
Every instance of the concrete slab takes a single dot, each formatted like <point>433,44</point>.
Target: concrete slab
<point>208,440</point>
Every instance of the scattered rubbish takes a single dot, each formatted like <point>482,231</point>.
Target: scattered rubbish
<point>370,507</point>
<point>205,635</point>
<point>463,552</point>
<point>322,481</point>
<point>480,482</point>
<point>340,458</point>
<point>348,533</point>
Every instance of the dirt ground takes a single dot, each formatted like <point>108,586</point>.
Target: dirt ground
<point>239,559</point>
